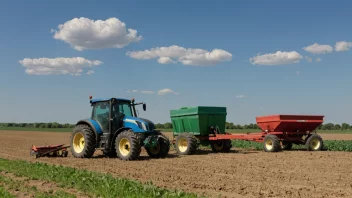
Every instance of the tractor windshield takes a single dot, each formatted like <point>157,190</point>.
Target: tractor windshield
<point>124,107</point>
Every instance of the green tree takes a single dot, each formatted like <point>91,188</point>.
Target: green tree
<point>345,126</point>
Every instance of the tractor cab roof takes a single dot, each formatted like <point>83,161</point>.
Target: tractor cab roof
<point>107,99</point>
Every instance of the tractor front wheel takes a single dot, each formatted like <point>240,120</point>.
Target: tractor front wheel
<point>271,143</point>
<point>82,141</point>
<point>186,144</point>
<point>161,150</point>
<point>314,143</point>
<point>221,145</point>
<point>128,146</point>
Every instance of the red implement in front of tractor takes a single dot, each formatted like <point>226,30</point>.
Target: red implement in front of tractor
<point>49,151</point>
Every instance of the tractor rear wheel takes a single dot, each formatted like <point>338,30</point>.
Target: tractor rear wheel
<point>271,143</point>
<point>314,143</point>
<point>186,144</point>
<point>161,150</point>
<point>221,145</point>
<point>83,141</point>
<point>128,146</point>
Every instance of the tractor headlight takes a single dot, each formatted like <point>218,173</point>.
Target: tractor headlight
<point>142,125</point>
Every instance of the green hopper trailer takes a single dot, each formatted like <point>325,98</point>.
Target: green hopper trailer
<point>192,124</point>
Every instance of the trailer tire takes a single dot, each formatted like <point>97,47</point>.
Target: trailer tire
<point>83,141</point>
<point>186,144</point>
<point>271,143</point>
<point>162,149</point>
<point>314,143</point>
<point>128,146</point>
<point>286,145</point>
<point>221,145</point>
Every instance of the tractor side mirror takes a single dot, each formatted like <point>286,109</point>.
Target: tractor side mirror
<point>144,106</point>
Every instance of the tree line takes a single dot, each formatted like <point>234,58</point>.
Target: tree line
<point>38,125</point>
<point>168,125</point>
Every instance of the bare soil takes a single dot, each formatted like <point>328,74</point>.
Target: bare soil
<point>234,174</point>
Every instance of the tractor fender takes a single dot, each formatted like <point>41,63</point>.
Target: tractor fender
<point>94,125</point>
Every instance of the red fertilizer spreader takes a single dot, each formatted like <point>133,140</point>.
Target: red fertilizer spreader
<point>49,151</point>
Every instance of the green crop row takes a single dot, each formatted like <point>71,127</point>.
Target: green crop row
<point>4,193</point>
<point>330,145</point>
<point>96,184</point>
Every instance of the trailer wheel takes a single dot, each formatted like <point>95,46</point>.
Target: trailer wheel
<point>271,143</point>
<point>186,144</point>
<point>314,143</point>
<point>127,146</point>
<point>286,145</point>
<point>162,149</point>
<point>82,141</point>
<point>221,145</point>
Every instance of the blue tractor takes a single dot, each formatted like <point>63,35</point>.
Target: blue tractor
<point>115,129</point>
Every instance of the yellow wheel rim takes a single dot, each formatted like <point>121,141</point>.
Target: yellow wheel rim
<point>269,144</point>
<point>182,144</point>
<point>124,146</point>
<point>315,144</point>
<point>218,146</point>
<point>78,142</point>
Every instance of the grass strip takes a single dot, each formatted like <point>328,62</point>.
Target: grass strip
<point>27,190</point>
<point>330,145</point>
<point>98,184</point>
<point>5,194</point>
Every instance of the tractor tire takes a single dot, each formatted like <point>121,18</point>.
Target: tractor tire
<point>128,146</point>
<point>83,142</point>
<point>314,143</point>
<point>221,146</point>
<point>286,145</point>
<point>271,143</point>
<point>162,149</point>
<point>186,144</point>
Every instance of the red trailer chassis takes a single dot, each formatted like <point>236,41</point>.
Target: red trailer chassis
<point>49,151</point>
<point>280,129</point>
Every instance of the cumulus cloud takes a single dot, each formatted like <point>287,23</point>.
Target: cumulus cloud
<point>186,56</point>
<point>132,91</point>
<point>278,58</point>
<point>343,46</point>
<point>166,91</point>
<point>240,96</point>
<point>318,59</point>
<point>165,60</point>
<point>58,66</point>
<point>83,33</point>
<point>90,72</point>
<point>318,49</point>
<point>309,59</point>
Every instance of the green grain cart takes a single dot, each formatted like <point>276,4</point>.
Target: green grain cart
<point>192,126</point>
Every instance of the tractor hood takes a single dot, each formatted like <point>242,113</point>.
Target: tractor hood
<point>139,124</point>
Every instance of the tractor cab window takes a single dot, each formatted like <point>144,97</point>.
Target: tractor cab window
<point>125,108</point>
<point>101,114</point>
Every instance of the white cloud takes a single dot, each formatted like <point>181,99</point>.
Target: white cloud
<point>90,72</point>
<point>165,60</point>
<point>309,59</point>
<point>147,92</point>
<point>343,46</point>
<point>132,91</point>
<point>318,49</point>
<point>58,66</point>
<point>186,56</point>
<point>240,96</point>
<point>318,59</point>
<point>83,33</point>
<point>166,91</point>
<point>278,58</point>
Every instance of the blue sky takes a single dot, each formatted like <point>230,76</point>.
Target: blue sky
<point>283,76</point>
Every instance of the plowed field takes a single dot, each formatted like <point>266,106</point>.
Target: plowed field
<point>235,174</point>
